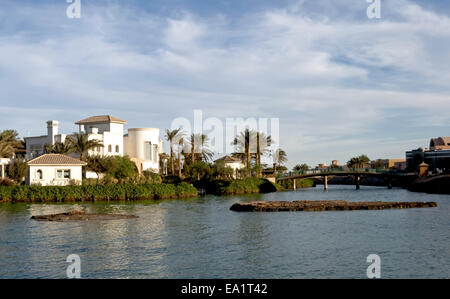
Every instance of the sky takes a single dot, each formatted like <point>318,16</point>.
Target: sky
<point>340,83</point>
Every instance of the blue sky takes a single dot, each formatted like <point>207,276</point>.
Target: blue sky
<point>340,83</point>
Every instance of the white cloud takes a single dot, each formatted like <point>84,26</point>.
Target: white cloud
<point>327,78</point>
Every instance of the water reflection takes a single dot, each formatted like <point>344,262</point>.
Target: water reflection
<point>202,238</point>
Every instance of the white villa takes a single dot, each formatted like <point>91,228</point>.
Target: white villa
<point>54,170</point>
<point>142,145</point>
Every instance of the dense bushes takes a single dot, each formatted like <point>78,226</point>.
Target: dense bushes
<point>95,192</point>
<point>250,185</point>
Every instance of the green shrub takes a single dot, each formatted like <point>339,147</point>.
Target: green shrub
<point>249,185</point>
<point>94,192</point>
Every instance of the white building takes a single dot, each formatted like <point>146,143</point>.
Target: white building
<point>54,170</point>
<point>235,163</point>
<point>142,145</point>
<point>3,163</point>
<point>107,129</point>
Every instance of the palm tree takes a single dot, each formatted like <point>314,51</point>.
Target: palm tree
<point>9,143</point>
<point>6,150</point>
<point>81,144</point>
<point>246,143</point>
<point>301,167</point>
<point>172,137</point>
<point>279,157</point>
<point>358,162</point>
<point>59,148</point>
<point>262,144</point>
<point>180,149</point>
<point>199,148</point>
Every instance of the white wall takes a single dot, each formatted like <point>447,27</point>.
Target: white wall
<point>135,142</point>
<point>49,175</point>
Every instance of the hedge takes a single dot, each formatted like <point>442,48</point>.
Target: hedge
<point>95,192</point>
<point>250,185</point>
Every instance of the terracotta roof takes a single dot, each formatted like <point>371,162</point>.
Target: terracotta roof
<point>56,159</point>
<point>101,119</point>
<point>228,159</point>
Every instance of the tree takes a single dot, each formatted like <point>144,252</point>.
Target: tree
<point>221,171</point>
<point>121,167</point>
<point>199,148</point>
<point>9,143</point>
<point>301,167</point>
<point>172,136</point>
<point>279,157</point>
<point>59,148</point>
<point>180,149</point>
<point>199,170</point>
<point>17,169</point>
<point>81,144</point>
<point>358,162</point>
<point>98,164</point>
<point>262,144</point>
<point>246,145</point>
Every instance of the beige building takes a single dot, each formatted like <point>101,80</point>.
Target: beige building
<point>54,170</point>
<point>235,163</point>
<point>440,143</point>
<point>397,164</point>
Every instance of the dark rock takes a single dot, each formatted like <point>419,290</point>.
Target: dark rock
<point>81,216</point>
<point>333,205</point>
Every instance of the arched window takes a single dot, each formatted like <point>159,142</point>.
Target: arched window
<point>39,175</point>
<point>109,148</point>
<point>117,148</point>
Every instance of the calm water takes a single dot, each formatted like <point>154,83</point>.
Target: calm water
<point>202,238</point>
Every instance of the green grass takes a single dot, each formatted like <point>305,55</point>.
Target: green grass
<point>95,192</point>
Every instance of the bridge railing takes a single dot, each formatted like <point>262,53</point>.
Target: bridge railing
<point>331,170</point>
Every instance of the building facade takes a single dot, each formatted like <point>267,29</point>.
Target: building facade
<point>437,156</point>
<point>232,162</point>
<point>142,145</point>
<point>54,170</point>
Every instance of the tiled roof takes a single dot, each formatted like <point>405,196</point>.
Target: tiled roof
<point>56,159</point>
<point>101,119</point>
<point>229,159</point>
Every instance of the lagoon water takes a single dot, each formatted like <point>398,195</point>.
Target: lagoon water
<point>202,238</point>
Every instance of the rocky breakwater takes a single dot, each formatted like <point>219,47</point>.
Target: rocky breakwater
<point>317,206</point>
<point>81,216</point>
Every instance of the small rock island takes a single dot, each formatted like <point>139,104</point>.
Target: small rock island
<point>324,205</point>
<point>81,216</point>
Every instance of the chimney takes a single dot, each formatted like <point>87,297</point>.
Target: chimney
<point>52,130</point>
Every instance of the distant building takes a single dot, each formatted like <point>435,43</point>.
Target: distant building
<point>395,164</point>
<point>235,163</point>
<point>322,166</point>
<point>437,156</point>
<point>54,170</point>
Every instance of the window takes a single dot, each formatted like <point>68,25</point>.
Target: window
<point>109,148</point>
<point>148,151</point>
<point>155,152</point>
<point>39,175</point>
<point>63,174</point>
<point>117,148</point>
